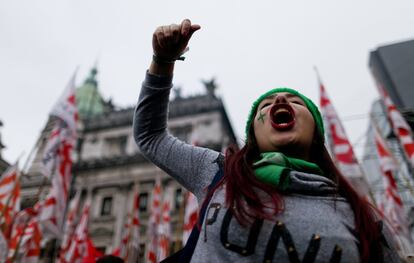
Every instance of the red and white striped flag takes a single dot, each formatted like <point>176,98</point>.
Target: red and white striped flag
<point>153,222</point>
<point>164,229</point>
<point>65,129</point>
<point>31,241</point>
<point>133,246</point>
<point>9,197</point>
<point>341,148</point>
<point>57,162</point>
<point>70,226</point>
<point>190,215</point>
<point>122,250</point>
<point>391,204</point>
<point>92,254</point>
<point>51,216</point>
<point>129,249</point>
<point>25,237</point>
<point>400,126</point>
<point>78,244</point>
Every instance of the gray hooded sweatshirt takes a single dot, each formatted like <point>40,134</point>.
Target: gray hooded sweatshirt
<point>315,226</point>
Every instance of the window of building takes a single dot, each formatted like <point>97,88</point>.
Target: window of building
<point>143,202</point>
<point>106,206</point>
<point>115,145</point>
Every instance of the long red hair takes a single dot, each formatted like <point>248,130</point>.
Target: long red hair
<point>246,205</point>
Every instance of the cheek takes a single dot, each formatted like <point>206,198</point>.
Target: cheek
<point>310,126</point>
<point>259,126</point>
<point>259,121</point>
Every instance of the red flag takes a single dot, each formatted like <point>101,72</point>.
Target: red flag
<point>122,250</point>
<point>69,228</point>
<point>135,237</point>
<point>164,229</point>
<point>65,108</point>
<point>341,148</point>
<point>51,216</point>
<point>153,222</point>
<point>401,128</point>
<point>190,215</point>
<point>57,162</point>
<point>129,248</point>
<point>25,236</point>
<point>92,254</point>
<point>78,244</point>
<point>9,198</point>
<point>391,204</point>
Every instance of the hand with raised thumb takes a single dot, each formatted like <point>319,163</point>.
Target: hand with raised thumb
<point>169,42</point>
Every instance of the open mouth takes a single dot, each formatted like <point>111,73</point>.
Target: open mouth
<point>282,116</point>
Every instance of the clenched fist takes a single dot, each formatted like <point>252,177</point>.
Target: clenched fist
<point>168,43</point>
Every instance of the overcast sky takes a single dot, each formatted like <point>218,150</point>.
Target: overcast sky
<point>249,46</point>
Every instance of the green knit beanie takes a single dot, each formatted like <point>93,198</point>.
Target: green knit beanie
<point>309,104</point>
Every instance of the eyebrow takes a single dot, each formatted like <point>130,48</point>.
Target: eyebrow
<point>287,95</point>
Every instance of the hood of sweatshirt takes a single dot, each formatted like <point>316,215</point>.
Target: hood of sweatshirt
<point>311,184</point>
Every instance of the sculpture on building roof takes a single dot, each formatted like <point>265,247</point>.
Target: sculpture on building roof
<point>210,86</point>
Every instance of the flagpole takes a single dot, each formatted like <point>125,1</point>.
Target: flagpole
<point>180,226</point>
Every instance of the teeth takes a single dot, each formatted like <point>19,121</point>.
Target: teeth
<point>280,110</point>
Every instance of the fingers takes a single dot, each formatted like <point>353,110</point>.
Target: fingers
<point>159,37</point>
<point>187,29</point>
<point>165,35</point>
<point>194,28</point>
<point>170,41</point>
<point>175,31</point>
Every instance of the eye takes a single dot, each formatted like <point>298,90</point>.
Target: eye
<point>297,102</point>
<point>265,105</point>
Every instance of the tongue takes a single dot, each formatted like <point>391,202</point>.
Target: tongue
<point>283,118</point>
<point>283,121</point>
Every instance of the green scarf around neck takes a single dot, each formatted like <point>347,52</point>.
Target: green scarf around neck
<point>274,167</point>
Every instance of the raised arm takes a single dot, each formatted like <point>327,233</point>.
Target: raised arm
<point>193,167</point>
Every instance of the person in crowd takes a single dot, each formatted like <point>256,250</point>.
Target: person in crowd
<point>279,198</point>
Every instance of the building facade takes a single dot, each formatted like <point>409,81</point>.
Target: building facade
<point>392,66</point>
<point>109,165</point>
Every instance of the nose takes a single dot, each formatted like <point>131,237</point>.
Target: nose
<point>280,98</point>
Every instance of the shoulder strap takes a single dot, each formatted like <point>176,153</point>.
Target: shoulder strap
<point>185,254</point>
